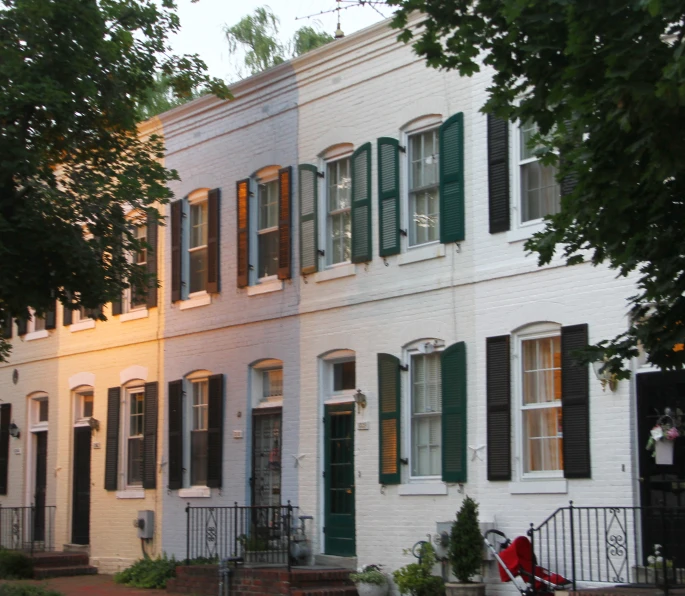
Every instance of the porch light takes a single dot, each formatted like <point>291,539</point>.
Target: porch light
<point>605,377</point>
<point>360,400</point>
<point>14,430</point>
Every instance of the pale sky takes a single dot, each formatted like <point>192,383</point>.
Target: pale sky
<point>202,24</point>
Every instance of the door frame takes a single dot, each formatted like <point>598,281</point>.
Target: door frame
<point>256,414</point>
<point>30,446</point>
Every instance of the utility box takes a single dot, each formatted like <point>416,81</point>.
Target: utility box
<point>484,527</point>
<point>146,524</point>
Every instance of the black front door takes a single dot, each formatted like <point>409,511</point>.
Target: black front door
<point>339,481</point>
<point>80,518</point>
<point>40,483</point>
<point>662,485</point>
<point>266,457</point>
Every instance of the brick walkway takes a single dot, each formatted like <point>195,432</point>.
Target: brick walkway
<point>91,585</point>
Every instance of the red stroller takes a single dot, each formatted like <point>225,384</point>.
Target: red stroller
<point>516,559</point>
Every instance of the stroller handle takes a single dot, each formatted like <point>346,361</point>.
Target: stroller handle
<point>496,532</point>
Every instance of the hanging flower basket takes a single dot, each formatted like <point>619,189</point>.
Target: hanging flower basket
<point>663,453</point>
<point>662,437</point>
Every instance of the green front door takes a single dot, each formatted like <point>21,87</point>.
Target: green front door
<point>339,480</point>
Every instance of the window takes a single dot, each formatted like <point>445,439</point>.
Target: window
<point>267,229</point>
<point>541,412</point>
<point>424,188</point>
<point>197,248</point>
<point>198,435</point>
<point>38,412</point>
<point>272,383</point>
<point>344,376</point>
<point>426,415</point>
<point>134,298</point>
<point>338,205</point>
<point>539,189</point>
<point>134,442</point>
<point>42,410</point>
<point>84,404</point>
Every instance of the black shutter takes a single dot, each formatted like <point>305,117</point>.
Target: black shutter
<point>21,326</point>
<point>388,196</point>
<point>498,399</point>
<point>498,173</point>
<point>575,403</point>
<point>5,419</point>
<point>176,253</point>
<point>454,412</point>
<point>175,446</point>
<point>51,316</point>
<point>6,329</point>
<point>361,204</point>
<point>151,266</point>
<point>243,226</point>
<point>389,408</point>
<point>213,240</point>
<point>215,430</point>
<point>150,436</point>
<point>112,438</point>
<point>285,222</point>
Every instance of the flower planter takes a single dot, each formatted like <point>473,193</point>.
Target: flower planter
<point>464,589</point>
<point>663,452</point>
<point>364,589</point>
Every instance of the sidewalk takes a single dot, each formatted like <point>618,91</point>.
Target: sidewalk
<point>90,585</point>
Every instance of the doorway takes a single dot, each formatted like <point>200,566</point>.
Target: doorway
<point>80,518</point>
<point>40,485</point>
<point>266,457</point>
<point>339,509</point>
<point>662,485</point>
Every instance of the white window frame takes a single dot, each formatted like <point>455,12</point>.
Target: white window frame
<point>31,331</point>
<point>194,198</point>
<point>78,396</point>
<point>190,380</point>
<point>336,154</point>
<point>267,175</point>
<point>257,385</point>
<point>37,425</point>
<point>136,387</point>
<point>532,332</point>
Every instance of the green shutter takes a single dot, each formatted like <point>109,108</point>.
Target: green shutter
<point>388,196</point>
<point>452,179</point>
<point>389,407</point>
<point>453,364</point>
<point>361,204</point>
<point>308,193</point>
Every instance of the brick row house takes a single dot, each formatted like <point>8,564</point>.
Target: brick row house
<point>347,321</point>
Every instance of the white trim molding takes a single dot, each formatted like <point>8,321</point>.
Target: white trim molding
<point>81,379</point>
<point>132,373</point>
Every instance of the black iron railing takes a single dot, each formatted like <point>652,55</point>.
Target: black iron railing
<point>27,528</point>
<point>618,545</point>
<point>258,535</point>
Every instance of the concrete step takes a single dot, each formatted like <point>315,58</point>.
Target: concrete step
<point>335,561</point>
<point>47,572</point>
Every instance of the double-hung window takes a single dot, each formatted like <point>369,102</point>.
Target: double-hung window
<point>541,411</point>
<point>267,229</point>
<point>539,190</point>
<point>198,433</point>
<point>197,247</point>
<point>426,415</point>
<point>424,188</point>
<point>338,206</point>
<point>134,446</point>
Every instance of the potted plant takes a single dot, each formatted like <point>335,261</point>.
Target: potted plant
<point>417,579</point>
<point>466,551</point>
<point>370,581</point>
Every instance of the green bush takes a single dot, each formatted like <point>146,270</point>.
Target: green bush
<point>15,565</point>
<point>148,573</point>
<point>417,579</point>
<point>466,543</point>
<point>25,590</point>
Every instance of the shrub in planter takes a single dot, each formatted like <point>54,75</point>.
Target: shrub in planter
<point>370,581</point>
<point>148,573</point>
<point>466,550</point>
<point>15,565</point>
<point>417,579</point>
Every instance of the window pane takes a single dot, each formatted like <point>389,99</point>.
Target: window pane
<point>272,383</point>
<point>339,185</point>
<point>87,405</point>
<point>542,370</point>
<point>198,225</point>
<point>198,270</point>
<point>426,446</point>
<point>135,461</point>
<point>540,194</point>
<point>543,439</point>
<point>424,159</point>
<point>136,415</point>
<point>140,232</point>
<point>344,376</point>
<point>426,406</point>
<point>340,237</point>
<point>198,458</point>
<point>426,384</point>
<point>268,205</point>
<point>268,253</point>
<point>200,405</point>
<point>43,410</point>
<point>424,211</point>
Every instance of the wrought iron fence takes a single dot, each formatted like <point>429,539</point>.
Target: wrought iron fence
<point>258,535</point>
<point>618,545</point>
<point>27,528</point>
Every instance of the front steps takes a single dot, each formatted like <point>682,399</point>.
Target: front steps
<point>61,564</point>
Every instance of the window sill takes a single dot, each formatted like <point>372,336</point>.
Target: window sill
<point>131,493</point>
<point>424,488</point>
<point>556,486</point>
<point>336,272</point>
<point>195,492</point>
<point>270,403</point>
<point>525,231</point>
<point>194,301</point>
<point>141,313</point>
<point>36,335</point>
<point>82,325</point>
<point>422,253</point>
<point>272,285</point>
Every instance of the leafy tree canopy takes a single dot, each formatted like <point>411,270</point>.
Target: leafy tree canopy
<point>257,36</point>
<point>72,73</point>
<point>605,82</point>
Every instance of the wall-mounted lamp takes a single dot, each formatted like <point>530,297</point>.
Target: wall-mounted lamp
<point>360,400</point>
<point>94,423</point>
<point>14,430</point>
<point>605,377</point>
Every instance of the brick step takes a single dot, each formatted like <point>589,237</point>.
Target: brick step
<point>306,578</point>
<point>48,572</point>
<point>41,560</point>
<point>325,591</point>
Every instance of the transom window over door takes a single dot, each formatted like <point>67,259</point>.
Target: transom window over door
<point>272,383</point>
<point>134,472</point>
<point>338,200</point>
<point>426,415</point>
<point>198,435</point>
<point>541,406</point>
<point>198,247</point>
<point>267,229</point>
<point>540,194</point>
<point>424,188</point>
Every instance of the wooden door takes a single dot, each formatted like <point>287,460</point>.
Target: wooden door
<point>80,519</point>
